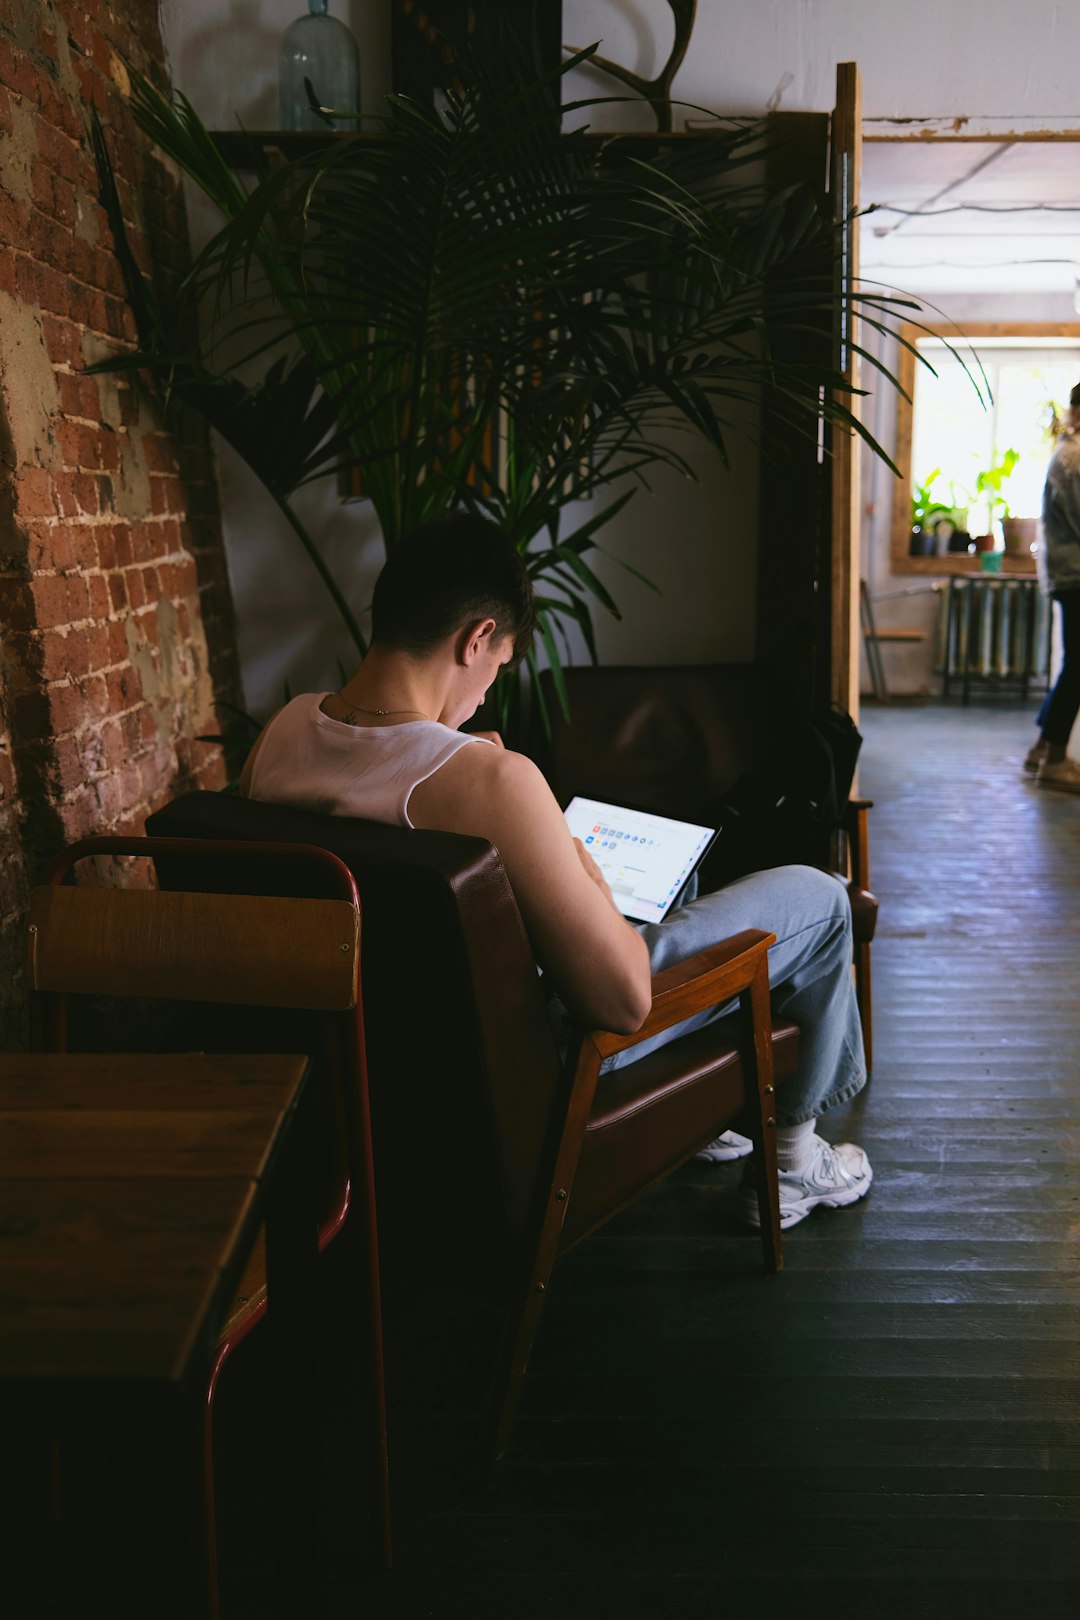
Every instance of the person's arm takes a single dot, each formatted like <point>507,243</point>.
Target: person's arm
<point>600,964</point>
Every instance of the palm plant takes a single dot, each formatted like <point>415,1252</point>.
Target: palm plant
<point>472,308</point>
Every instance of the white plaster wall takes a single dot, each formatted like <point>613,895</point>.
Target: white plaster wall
<point>936,60</point>
<point>931,61</point>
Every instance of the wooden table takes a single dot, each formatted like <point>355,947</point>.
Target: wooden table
<point>132,1189</point>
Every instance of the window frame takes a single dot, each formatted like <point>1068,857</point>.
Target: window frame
<point>903,487</point>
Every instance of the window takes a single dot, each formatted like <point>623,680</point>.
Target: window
<point>972,462</point>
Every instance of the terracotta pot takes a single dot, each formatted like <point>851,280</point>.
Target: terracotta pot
<point>984,542</point>
<point>1020,533</point>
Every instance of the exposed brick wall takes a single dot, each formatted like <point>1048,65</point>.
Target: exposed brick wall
<point>115,617</point>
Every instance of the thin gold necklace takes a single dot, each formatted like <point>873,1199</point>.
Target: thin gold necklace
<point>356,708</point>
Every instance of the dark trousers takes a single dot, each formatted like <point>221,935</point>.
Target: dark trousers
<point>1055,718</point>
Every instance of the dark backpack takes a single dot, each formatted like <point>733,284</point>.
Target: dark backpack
<point>786,810</point>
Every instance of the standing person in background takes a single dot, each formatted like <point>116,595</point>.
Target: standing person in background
<point>1059,560</point>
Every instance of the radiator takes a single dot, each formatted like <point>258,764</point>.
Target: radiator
<point>994,630</point>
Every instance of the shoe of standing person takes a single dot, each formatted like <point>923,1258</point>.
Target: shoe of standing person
<point>1063,774</point>
<point>1035,756</point>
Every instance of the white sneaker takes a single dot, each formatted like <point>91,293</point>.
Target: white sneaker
<point>1063,774</point>
<point>833,1176</point>
<point>728,1146</point>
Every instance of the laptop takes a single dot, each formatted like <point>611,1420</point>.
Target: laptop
<point>645,858</point>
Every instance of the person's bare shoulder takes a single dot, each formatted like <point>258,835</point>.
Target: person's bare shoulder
<point>481,791</point>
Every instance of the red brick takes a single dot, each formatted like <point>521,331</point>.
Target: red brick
<point>65,207</point>
<point>77,759</point>
<point>117,644</point>
<point>153,588</point>
<point>118,595</point>
<point>159,453</point>
<point>100,600</point>
<point>7,271</point>
<point>75,20</point>
<point>114,748</point>
<point>55,291</point>
<point>99,644</point>
<point>90,87</point>
<point>79,445</point>
<point>28,280</point>
<point>124,544</point>
<point>65,708</point>
<point>12,221</point>
<point>105,536</point>
<point>125,689</point>
<point>35,493</point>
<point>85,397</point>
<point>63,344</point>
<point>109,448</point>
<point>87,494</point>
<point>6,123</point>
<point>65,654</point>
<point>48,242</point>
<point>16,71</point>
<point>85,258</point>
<point>87,307</point>
<point>59,600</point>
<point>80,816</point>
<point>129,404</point>
<point>60,153</point>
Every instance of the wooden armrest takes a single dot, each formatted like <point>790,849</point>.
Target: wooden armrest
<point>857,827</point>
<point>691,986</point>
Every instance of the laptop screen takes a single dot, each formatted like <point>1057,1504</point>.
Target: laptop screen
<point>645,858</point>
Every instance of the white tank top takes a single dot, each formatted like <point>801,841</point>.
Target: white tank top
<point>314,763</point>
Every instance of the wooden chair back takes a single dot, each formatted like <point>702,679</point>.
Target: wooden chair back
<point>294,958</point>
<point>467,1079</point>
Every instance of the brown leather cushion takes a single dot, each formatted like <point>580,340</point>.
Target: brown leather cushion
<point>650,1117</point>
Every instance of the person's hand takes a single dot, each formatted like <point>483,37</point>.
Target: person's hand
<point>591,868</point>
<point>489,736</point>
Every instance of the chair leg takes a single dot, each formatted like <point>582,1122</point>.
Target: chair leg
<point>761,1099</point>
<point>865,1001</point>
<point>514,1353</point>
<point>538,1255</point>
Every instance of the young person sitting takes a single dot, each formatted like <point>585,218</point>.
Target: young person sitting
<point>452,607</point>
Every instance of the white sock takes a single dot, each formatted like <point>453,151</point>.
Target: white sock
<point>793,1145</point>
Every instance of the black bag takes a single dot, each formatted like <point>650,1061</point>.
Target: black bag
<point>785,811</point>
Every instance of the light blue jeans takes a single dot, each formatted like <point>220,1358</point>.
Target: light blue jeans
<point>809,972</point>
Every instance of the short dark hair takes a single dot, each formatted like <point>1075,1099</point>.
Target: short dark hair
<point>1074,397</point>
<point>447,574</point>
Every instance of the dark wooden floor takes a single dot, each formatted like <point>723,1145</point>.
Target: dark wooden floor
<point>892,1425</point>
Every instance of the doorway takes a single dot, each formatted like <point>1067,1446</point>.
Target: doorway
<point>985,234</point>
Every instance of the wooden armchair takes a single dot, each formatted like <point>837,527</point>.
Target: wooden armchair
<point>254,973</point>
<point>532,1154</point>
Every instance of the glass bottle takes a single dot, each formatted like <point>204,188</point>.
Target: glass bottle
<point>321,50</point>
